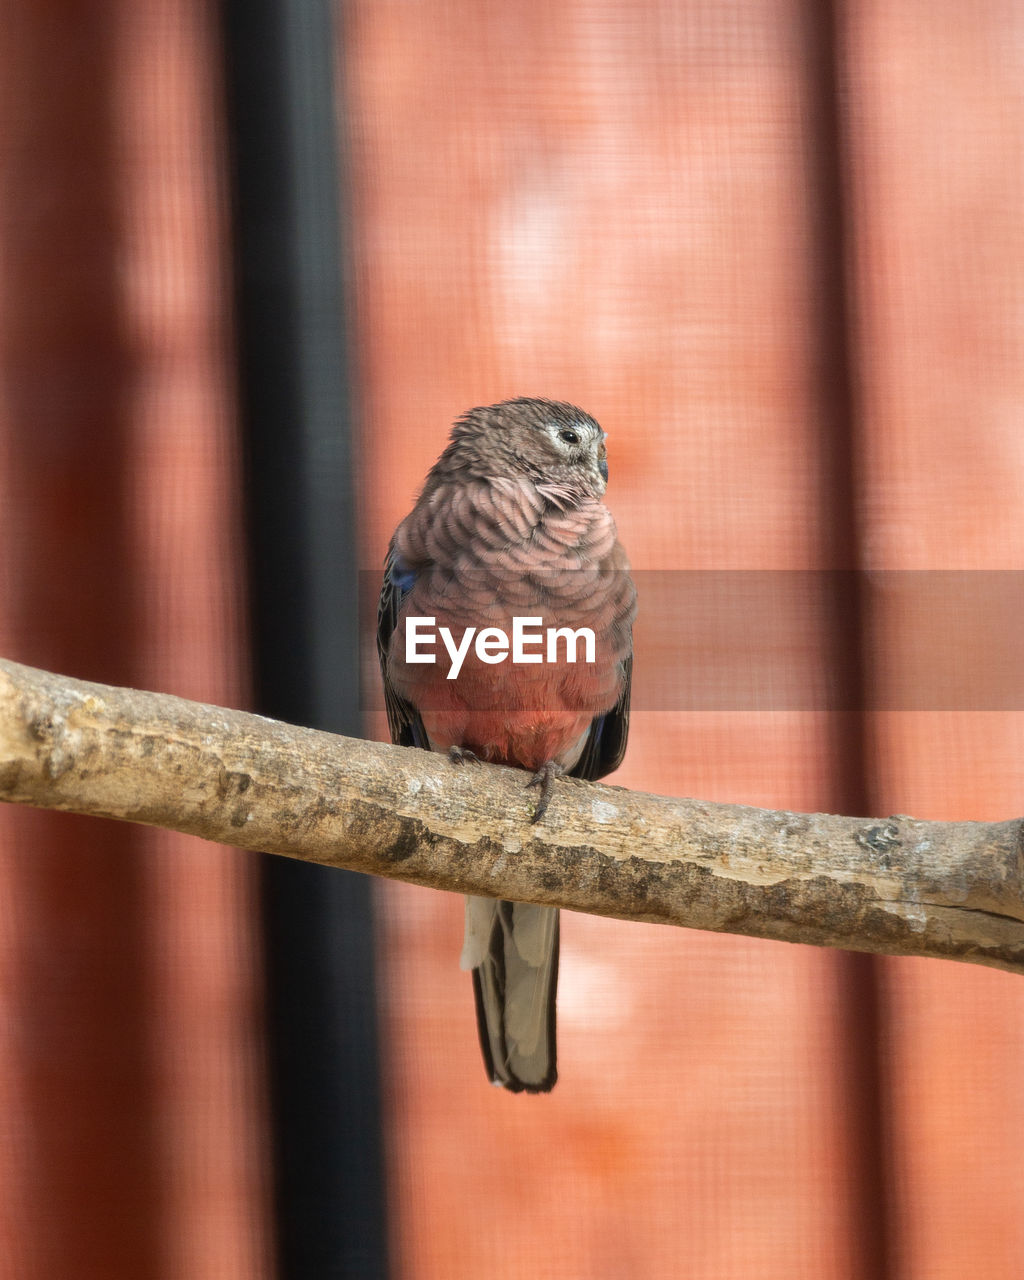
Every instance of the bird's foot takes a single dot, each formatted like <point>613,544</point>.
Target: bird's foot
<point>462,755</point>
<point>544,778</point>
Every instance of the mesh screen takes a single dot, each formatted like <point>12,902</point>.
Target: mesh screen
<point>638,208</point>
<point>776,249</point>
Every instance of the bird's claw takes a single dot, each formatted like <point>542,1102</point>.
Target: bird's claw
<point>462,755</point>
<point>544,778</point>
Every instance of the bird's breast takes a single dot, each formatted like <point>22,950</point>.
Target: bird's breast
<point>490,555</point>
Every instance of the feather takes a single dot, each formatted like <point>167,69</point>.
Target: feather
<point>511,523</point>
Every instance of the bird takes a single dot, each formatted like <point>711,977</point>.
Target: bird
<point>511,524</point>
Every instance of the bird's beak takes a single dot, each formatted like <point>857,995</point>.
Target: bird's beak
<point>602,461</point>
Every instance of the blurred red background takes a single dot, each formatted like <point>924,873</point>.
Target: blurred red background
<point>647,209</point>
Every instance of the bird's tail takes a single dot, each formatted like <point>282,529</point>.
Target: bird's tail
<point>512,948</point>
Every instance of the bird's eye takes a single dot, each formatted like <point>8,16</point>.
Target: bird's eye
<point>569,436</point>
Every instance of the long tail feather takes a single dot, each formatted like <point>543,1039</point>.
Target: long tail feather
<point>512,948</point>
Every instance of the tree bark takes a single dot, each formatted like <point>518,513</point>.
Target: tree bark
<point>893,885</point>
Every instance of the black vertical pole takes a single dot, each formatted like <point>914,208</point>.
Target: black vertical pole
<point>859,976</point>
<point>296,412</point>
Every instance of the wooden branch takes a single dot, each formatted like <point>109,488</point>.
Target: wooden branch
<point>894,885</point>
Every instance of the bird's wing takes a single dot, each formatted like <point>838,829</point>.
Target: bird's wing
<point>606,742</point>
<point>403,719</point>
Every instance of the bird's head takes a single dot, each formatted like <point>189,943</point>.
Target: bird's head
<point>556,445</point>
